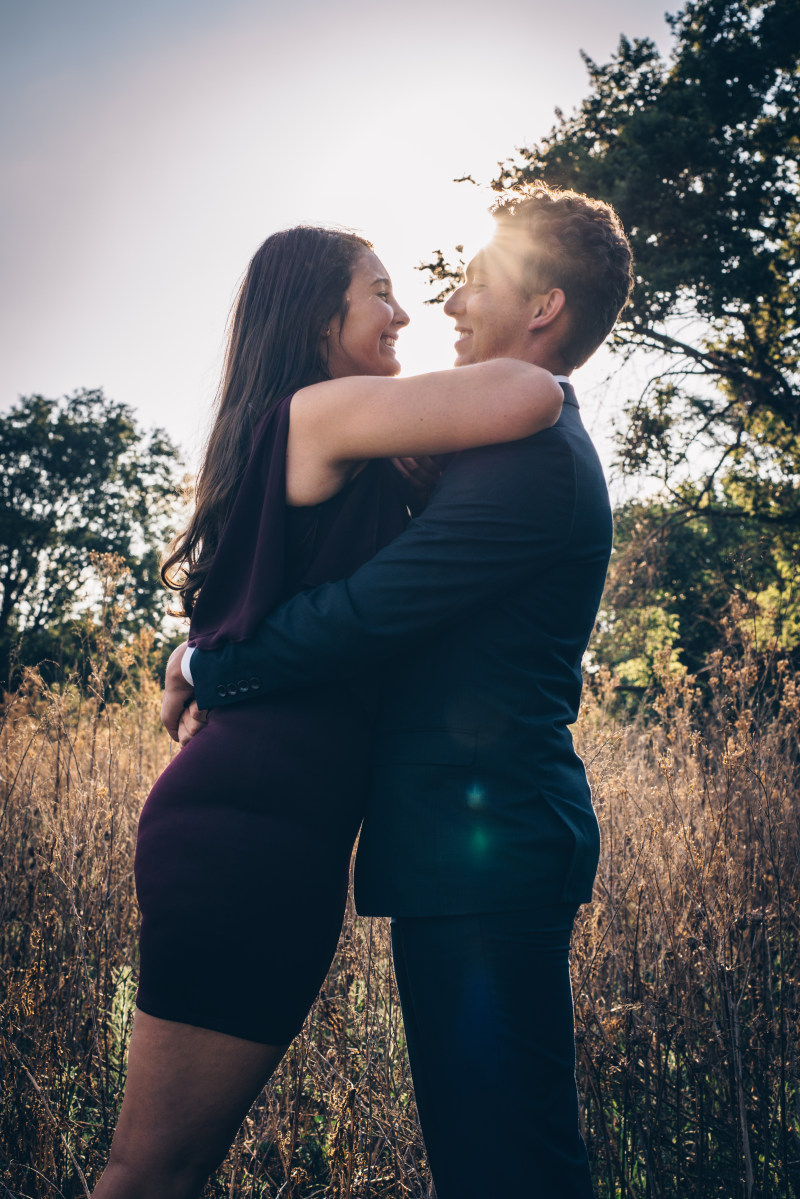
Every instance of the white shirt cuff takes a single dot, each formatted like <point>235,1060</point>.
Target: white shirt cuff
<point>186,669</point>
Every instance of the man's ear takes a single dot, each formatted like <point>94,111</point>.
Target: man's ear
<point>545,307</point>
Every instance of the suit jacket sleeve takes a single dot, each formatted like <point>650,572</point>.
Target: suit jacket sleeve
<point>497,515</point>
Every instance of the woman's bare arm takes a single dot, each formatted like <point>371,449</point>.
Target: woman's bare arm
<point>336,426</point>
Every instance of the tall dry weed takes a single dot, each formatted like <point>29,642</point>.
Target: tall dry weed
<point>685,967</point>
<point>687,979</point>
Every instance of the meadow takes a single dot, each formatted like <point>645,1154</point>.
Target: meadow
<point>685,967</point>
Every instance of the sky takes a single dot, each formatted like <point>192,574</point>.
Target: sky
<point>149,148</point>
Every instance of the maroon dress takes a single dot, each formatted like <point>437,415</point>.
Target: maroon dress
<point>245,840</point>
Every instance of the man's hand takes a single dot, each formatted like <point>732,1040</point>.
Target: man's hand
<point>178,694</point>
<point>193,719</point>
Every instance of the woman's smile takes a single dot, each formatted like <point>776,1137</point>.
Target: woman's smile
<point>363,341</point>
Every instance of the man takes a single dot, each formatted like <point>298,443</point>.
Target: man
<point>480,839</point>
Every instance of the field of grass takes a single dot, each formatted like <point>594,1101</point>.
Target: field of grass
<point>685,968</point>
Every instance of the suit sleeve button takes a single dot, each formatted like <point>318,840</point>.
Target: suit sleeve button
<point>243,686</point>
<point>255,683</point>
<point>232,689</point>
<point>222,691</point>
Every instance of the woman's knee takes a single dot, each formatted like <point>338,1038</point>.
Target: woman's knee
<point>129,1176</point>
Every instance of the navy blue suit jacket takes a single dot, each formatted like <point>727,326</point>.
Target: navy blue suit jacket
<point>482,610</point>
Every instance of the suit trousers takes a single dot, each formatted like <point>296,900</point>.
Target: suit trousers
<point>487,1008</point>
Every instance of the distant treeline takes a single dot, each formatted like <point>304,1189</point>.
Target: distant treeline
<point>87,502</point>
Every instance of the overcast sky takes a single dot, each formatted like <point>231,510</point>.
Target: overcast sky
<point>149,148</point>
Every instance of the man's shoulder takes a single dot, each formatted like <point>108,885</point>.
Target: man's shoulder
<point>512,455</point>
<point>553,472</point>
<point>534,476</point>
<point>550,448</point>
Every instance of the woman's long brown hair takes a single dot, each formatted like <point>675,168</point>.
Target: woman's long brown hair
<point>294,286</point>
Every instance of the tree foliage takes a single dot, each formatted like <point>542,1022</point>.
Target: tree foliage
<point>682,584</point>
<point>699,155</point>
<point>78,478</point>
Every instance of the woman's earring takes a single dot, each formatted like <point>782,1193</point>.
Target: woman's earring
<point>326,332</point>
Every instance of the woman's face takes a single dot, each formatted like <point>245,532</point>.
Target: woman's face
<point>362,343</point>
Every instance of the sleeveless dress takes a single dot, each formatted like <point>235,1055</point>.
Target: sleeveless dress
<point>244,843</point>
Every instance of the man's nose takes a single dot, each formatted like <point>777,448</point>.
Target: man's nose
<point>453,304</point>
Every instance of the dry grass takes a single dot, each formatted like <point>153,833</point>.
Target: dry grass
<point>688,990</point>
<point>686,967</point>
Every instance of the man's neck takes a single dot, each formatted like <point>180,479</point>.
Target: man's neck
<point>547,357</point>
<point>544,347</point>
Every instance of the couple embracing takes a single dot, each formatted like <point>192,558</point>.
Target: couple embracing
<point>347,664</point>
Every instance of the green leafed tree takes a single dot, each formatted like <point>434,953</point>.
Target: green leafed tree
<point>699,156</point>
<point>681,585</point>
<point>79,478</point>
<point>699,153</point>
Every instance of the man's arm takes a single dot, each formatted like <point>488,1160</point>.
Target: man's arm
<point>179,709</point>
<point>498,514</point>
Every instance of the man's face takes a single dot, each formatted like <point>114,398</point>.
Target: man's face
<point>490,309</point>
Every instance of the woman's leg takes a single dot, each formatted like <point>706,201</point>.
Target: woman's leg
<point>188,1090</point>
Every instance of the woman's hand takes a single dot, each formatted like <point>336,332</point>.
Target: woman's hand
<point>422,473</point>
<point>420,476</point>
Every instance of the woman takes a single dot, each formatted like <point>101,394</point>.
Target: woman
<point>245,840</point>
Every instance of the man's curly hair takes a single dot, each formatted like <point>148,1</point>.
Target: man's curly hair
<point>579,245</point>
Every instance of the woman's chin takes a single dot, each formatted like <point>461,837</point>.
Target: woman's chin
<point>390,365</point>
